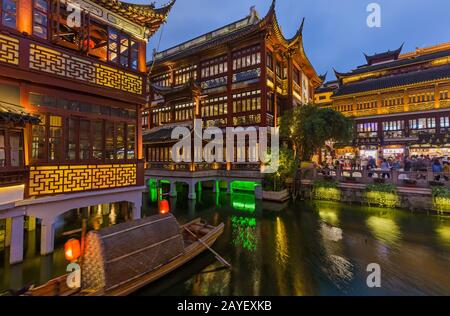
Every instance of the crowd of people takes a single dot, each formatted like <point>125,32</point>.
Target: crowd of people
<point>422,163</point>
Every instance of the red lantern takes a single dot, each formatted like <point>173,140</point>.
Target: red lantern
<point>89,43</point>
<point>164,207</point>
<point>72,250</point>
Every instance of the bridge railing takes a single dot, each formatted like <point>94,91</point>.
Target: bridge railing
<point>401,178</point>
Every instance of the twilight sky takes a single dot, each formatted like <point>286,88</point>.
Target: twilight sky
<point>335,33</point>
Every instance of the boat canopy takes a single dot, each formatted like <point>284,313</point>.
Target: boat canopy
<point>128,251</point>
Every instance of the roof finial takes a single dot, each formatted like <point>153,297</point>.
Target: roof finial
<point>301,26</point>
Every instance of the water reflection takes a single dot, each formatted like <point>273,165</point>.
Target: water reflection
<point>384,229</point>
<point>308,248</point>
<point>244,232</point>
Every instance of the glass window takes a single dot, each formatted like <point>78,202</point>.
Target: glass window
<point>134,55</point>
<point>9,10</point>
<point>2,149</point>
<point>113,45</point>
<point>85,142</point>
<point>40,24</point>
<point>109,140</point>
<point>120,141</point>
<point>38,143</point>
<point>97,134</point>
<point>131,141</point>
<point>54,138</point>
<point>16,149</point>
<point>71,145</point>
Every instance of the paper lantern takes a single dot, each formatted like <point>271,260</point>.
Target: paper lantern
<point>72,250</point>
<point>164,207</point>
<point>89,43</point>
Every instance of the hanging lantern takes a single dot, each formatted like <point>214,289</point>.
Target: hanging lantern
<point>164,207</point>
<point>72,250</point>
<point>89,43</point>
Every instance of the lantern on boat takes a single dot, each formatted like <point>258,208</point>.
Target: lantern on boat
<point>72,250</point>
<point>164,207</point>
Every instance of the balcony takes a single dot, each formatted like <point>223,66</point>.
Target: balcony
<point>63,179</point>
<point>422,106</point>
<point>40,57</point>
<point>444,104</point>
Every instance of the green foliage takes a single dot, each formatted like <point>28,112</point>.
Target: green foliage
<point>441,192</point>
<point>309,127</point>
<point>382,195</point>
<point>441,198</point>
<point>381,187</point>
<point>287,168</point>
<point>325,184</point>
<point>326,191</point>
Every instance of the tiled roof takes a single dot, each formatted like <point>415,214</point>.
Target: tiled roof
<point>434,73</point>
<point>162,133</point>
<point>396,63</point>
<point>15,113</point>
<point>223,34</point>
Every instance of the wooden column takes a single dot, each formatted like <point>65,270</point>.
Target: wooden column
<point>25,16</point>
<point>264,83</point>
<point>437,104</point>
<point>406,101</point>
<point>379,104</point>
<point>139,143</point>
<point>290,84</point>
<point>142,57</point>
<point>230,87</point>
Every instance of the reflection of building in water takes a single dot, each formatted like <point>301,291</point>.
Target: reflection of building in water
<point>244,232</point>
<point>243,202</point>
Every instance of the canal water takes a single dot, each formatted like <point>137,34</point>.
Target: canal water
<point>306,248</point>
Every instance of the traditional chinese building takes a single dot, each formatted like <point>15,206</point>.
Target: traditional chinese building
<point>246,73</point>
<point>72,84</point>
<point>400,103</point>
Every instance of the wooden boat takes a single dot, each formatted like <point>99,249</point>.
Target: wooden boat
<point>124,258</point>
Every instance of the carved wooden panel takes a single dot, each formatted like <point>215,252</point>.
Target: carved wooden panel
<point>9,50</point>
<point>47,180</point>
<point>52,61</point>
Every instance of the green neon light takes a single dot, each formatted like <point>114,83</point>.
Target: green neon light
<point>153,190</point>
<point>164,182</point>
<point>243,185</point>
<point>243,202</point>
<point>244,232</point>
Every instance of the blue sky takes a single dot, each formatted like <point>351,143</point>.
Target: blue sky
<point>335,33</point>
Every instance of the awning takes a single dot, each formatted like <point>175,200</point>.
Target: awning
<point>15,113</point>
<point>163,133</point>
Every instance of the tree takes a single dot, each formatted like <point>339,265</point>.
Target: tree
<point>309,127</point>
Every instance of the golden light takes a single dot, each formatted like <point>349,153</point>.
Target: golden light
<point>72,250</point>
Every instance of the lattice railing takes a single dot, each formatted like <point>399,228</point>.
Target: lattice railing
<point>48,180</point>
<point>9,50</point>
<point>46,59</point>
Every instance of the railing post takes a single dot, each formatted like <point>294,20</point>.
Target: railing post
<point>394,175</point>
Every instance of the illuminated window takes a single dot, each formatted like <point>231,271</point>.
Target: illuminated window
<point>11,149</point>
<point>55,138</point>
<point>39,140</point>
<point>98,140</point>
<point>40,22</point>
<point>2,149</point>
<point>85,141</point>
<point>131,141</point>
<point>9,12</point>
